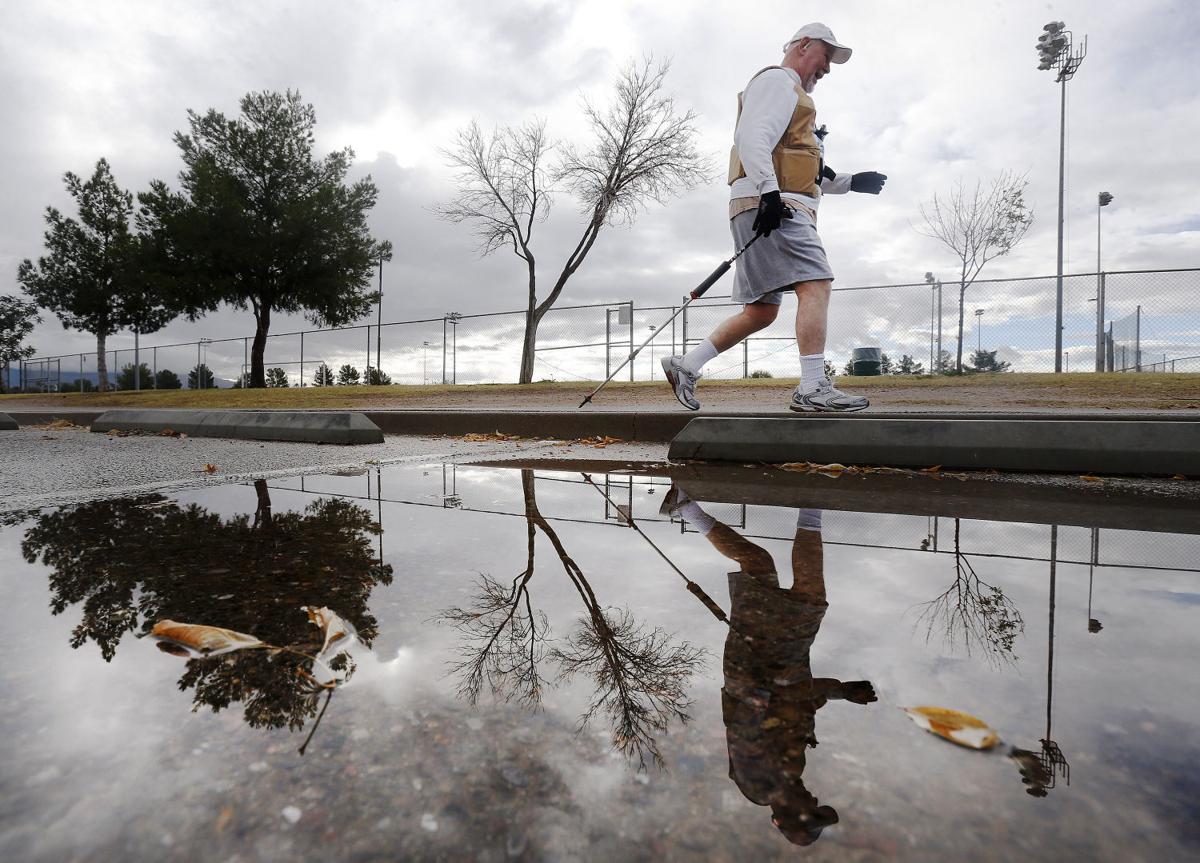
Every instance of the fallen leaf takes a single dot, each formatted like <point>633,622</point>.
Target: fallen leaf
<point>168,433</point>
<point>955,726</point>
<point>210,468</point>
<point>331,625</point>
<point>833,468</point>
<point>1179,476</point>
<point>205,640</point>
<point>223,819</point>
<point>1087,477</point>
<point>934,469</point>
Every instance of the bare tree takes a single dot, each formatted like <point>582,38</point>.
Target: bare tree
<point>640,674</point>
<point>978,225</point>
<point>973,613</point>
<point>642,148</point>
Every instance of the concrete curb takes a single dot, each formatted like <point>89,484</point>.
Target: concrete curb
<point>334,427</point>
<point>7,423</point>
<point>1159,448</point>
<point>1094,505</point>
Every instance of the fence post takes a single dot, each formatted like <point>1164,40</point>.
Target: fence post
<point>154,371</point>
<point>302,358</point>
<point>1137,344</point>
<point>745,358</point>
<point>607,342</point>
<point>81,372</point>
<point>368,370</point>
<point>631,339</point>
<point>246,357</point>
<point>1100,323</point>
<point>444,346</point>
<point>683,341</point>
<point>673,351</point>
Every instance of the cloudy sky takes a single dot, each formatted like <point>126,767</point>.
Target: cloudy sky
<point>950,92</point>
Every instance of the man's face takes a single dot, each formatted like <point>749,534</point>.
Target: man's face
<point>811,63</point>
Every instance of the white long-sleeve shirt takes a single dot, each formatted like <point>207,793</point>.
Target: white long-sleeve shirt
<point>767,107</point>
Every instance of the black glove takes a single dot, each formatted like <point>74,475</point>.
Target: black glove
<point>771,213</point>
<point>870,182</point>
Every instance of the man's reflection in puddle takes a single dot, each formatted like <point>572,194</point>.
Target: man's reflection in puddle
<point>770,698</point>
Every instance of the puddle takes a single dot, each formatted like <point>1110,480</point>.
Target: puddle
<point>527,673</point>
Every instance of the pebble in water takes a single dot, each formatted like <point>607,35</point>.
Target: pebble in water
<point>291,814</point>
<point>428,822</point>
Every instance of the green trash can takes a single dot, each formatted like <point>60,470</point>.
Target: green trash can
<point>866,362</point>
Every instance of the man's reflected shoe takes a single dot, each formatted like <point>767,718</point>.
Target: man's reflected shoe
<point>827,397</point>
<point>672,501</point>
<point>682,382</point>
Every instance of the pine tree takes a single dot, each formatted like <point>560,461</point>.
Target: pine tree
<point>277,378</point>
<point>324,376</point>
<point>348,376</point>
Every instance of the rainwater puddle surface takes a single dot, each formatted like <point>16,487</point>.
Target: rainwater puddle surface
<point>525,676</point>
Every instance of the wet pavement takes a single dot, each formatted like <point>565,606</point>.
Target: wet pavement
<point>541,665</point>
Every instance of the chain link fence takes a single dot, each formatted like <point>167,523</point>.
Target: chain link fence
<point>1131,321</point>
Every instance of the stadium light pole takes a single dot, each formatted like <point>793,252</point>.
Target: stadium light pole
<point>1102,200</point>
<point>1056,51</point>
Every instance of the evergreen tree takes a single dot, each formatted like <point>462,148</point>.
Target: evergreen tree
<point>17,319</point>
<point>167,380</point>
<point>277,378</point>
<point>348,376</point>
<point>262,222</point>
<point>91,277</point>
<point>885,364</point>
<point>193,377</point>
<point>909,366</point>
<point>377,377</point>
<point>324,376</point>
<point>125,380</point>
<point>985,361</point>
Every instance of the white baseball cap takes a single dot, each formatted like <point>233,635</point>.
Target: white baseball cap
<point>839,54</point>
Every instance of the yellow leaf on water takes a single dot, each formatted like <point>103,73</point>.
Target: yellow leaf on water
<point>955,726</point>
<point>332,627</point>
<point>205,640</point>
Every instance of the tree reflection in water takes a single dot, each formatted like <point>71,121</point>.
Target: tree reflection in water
<point>640,675</point>
<point>131,562</point>
<point>973,614</point>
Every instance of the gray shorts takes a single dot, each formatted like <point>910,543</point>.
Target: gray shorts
<point>793,253</point>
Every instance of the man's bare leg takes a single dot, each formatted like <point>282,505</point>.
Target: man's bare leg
<point>816,391</point>
<point>812,315</point>
<point>752,318</point>
<point>683,372</point>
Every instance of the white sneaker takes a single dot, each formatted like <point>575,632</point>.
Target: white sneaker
<point>682,381</point>
<point>826,397</point>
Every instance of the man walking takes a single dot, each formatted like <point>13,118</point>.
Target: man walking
<point>777,176</point>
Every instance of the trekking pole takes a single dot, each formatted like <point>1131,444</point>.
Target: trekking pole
<point>693,588</point>
<point>696,294</point>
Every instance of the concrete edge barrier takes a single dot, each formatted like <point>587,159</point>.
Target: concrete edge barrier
<point>7,423</point>
<point>980,499</point>
<point>332,427</point>
<point>1149,448</point>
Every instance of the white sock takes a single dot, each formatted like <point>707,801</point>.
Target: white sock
<point>812,369</point>
<point>696,517</point>
<point>695,359</point>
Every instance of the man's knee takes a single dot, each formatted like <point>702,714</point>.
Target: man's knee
<point>816,287</point>
<point>762,314</point>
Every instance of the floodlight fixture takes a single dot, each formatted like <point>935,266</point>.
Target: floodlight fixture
<point>1105,199</point>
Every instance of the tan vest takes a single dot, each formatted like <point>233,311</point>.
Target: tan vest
<point>797,156</point>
